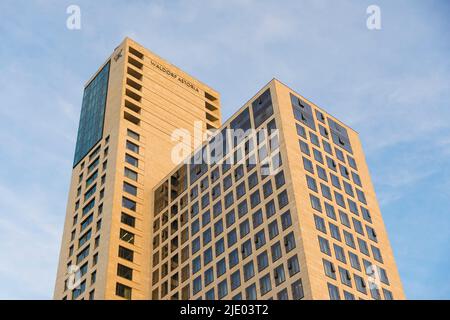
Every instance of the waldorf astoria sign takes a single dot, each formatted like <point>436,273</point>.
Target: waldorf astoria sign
<point>173,75</point>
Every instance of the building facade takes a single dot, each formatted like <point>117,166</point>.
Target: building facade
<point>277,203</point>
<point>130,108</point>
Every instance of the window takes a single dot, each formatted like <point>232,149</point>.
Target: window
<point>133,134</point>
<point>366,214</point>
<point>129,204</point>
<point>335,181</point>
<point>90,192</point>
<point>221,267</point>
<point>124,272</point>
<point>324,246</point>
<point>276,251</point>
<point>279,180</point>
<point>88,207</point>
<point>318,155</point>
<point>233,258</point>
<point>345,277</point>
<point>196,265</point>
<point>360,284</point>
<point>132,146</point>
<point>218,227</point>
<point>250,292</point>
<point>222,289</point>
<point>85,238</point>
<point>220,247</point>
<point>307,164</point>
<point>123,291</point>
<point>329,209</point>
<point>353,207</point>
<point>329,269</point>
<point>286,220</point>
<point>249,271</point>
<point>326,192</point>
<point>333,291</point>
<point>361,196</point>
<point>334,231</point>
<point>230,218</point>
<point>348,296</point>
<point>322,173</point>
<point>79,291</point>
<point>252,180</point>
<point>339,199</point>
<point>300,130</point>
<point>377,254</point>
<point>195,245</point>
<point>339,253</point>
<point>126,236</point>
<point>235,280</point>
<point>320,224</point>
<point>363,247</point>
<point>289,242</point>
<point>260,239</point>
<point>197,285</point>
<point>315,203</point>
<point>283,199</point>
<point>273,229</point>
<point>383,275</point>
<point>349,240</point>
<point>371,234</point>
<point>265,284</point>
<point>354,261</point>
<point>83,254</point>
<point>293,266</point>
<point>209,276</point>
<point>131,160</point>
<point>304,148</point>
<point>344,218</point>
<point>129,188</point>
<point>279,275</point>
<point>283,295</point>
<point>297,290</point>
<point>257,218</point>
<point>311,182</point>
<point>130,174</point>
<point>246,249</point>
<point>267,189</point>
<point>255,199</point>
<point>231,238</point>
<point>387,294</point>
<point>244,228</point>
<point>270,209</point>
<point>263,261</point>
<point>125,253</point>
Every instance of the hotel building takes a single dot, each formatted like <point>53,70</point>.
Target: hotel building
<point>276,204</point>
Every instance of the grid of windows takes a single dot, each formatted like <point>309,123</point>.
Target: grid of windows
<point>337,192</point>
<point>239,215</point>
<point>86,222</point>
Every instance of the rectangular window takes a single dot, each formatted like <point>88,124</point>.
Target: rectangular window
<point>124,272</point>
<point>126,236</point>
<point>131,160</point>
<point>129,188</point>
<point>132,147</point>
<point>127,219</point>
<point>133,135</point>
<point>129,204</point>
<point>123,291</point>
<point>131,174</point>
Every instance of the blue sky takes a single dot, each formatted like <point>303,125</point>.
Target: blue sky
<point>391,85</point>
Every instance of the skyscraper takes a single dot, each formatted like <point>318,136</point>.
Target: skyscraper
<point>130,108</point>
<point>277,203</point>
